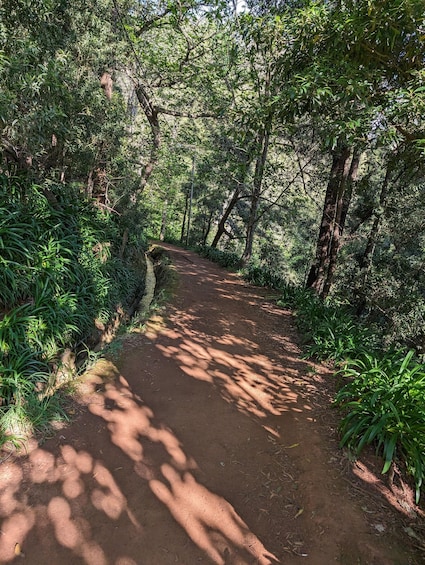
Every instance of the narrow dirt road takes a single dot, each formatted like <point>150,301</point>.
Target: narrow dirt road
<point>206,440</point>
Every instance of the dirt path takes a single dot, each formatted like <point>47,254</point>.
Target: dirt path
<point>207,440</point>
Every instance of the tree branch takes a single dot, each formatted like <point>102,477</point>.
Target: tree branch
<point>152,22</point>
<point>170,112</point>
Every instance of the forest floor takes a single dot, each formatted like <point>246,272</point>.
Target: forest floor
<point>205,438</point>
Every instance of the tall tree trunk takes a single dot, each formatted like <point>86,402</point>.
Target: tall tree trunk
<point>151,114</point>
<point>90,184</point>
<point>343,203</point>
<point>240,183</point>
<point>366,260</point>
<point>163,221</point>
<point>221,228</point>
<point>207,228</point>
<point>367,257</point>
<point>318,271</point>
<point>123,244</point>
<point>186,207</point>
<point>263,146</point>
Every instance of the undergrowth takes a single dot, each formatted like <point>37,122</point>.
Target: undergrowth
<point>384,404</point>
<point>330,331</point>
<point>225,259</point>
<point>60,271</point>
<point>383,398</point>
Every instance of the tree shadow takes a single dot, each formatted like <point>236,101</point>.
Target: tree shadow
<point>133,480</point>
<point>180,450</point>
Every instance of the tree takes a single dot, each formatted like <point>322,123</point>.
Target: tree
<point>165,80</point>
<point>350,60</point>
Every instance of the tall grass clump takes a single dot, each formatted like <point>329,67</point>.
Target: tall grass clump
<point>330,331</point>
<point>264,276</point>
<point>384,404</point>
<point>225,259</point>
<point>60,271</point>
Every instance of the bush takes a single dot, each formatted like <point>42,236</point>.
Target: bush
<point>59,271</point>
<point>225,259</point>
<point>330,331</point>
<point>384,404</point>
<point>263,276</point>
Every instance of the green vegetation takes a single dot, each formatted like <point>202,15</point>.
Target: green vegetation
<point>331,331</point>
<point>384,405</point>
<point>224,258</point>
<point>285,139</point>
<point>60,273</point>
<point>383,398</point>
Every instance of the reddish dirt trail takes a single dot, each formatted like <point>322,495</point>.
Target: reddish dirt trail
<point>207,440</point>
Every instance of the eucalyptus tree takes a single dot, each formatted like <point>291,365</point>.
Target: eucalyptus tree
<point>258,41</point>
<point>235,161</point>
<point>262,47</point>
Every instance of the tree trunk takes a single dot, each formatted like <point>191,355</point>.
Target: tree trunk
<point>151,114</point>
<point>189,215</point>
<point>317,275</point>
<point>240,183</point>
<point>186,206</point>
<point>221,228</point>
<point>90,184</point>
<point>367,257</point>
<point>366,260</point>
<point>263,146</point>
<point>163,221</point>
<point>343,204</point>
<point>123,244</point>
<point>207,228</point>
<point>250,231</point>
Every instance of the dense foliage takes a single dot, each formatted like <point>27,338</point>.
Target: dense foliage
<point>70,257</point>
<point>61,277</point>
<point>384,405</point>
<point>286,138</point>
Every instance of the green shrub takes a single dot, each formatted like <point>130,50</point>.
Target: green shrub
<point>225,259</point>
<point>330,331</point>
<point>384,403</point>
<point>59,271</point>
<point>263,276</point>
<point>337,336</point>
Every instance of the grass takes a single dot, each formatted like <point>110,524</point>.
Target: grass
<point>225,259</point>
<point>263,276</point>
<point>59,271</point>
<point>384,404</point>
<point>330,331</point>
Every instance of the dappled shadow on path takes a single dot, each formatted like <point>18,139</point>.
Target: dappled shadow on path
<point>231,336</point>
<point>61,494</point>
<point>172,458</point>
<point>48,503</point>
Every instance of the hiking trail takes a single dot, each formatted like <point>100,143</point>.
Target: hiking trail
<point>205,438</point>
